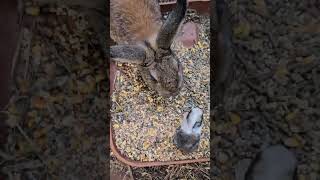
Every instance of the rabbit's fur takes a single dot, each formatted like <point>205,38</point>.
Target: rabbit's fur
<point>187,136</point>
<point>144,39</point>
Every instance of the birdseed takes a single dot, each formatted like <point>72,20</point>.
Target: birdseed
<point>144,122</point>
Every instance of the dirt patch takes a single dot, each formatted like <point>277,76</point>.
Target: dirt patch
<point>274,94</point>
<point>57,112</point>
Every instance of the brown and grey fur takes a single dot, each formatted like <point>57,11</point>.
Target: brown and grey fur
<point>187,135</point>
<point>144,39</point>
<point>134,20</point>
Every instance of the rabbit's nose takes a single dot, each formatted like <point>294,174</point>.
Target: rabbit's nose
<point>174,93</point>
<point>166,94</point>
<point>169,94</point>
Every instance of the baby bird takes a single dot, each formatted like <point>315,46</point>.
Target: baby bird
<point>274,163</point>
<point>187,135</point>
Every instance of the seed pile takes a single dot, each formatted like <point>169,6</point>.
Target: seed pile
<point>144,122</point>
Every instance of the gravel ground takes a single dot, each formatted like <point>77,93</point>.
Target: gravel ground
<point>57,113</point>
<point>274,95</point>
<point>144,122</point>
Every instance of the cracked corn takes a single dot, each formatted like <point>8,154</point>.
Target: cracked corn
<point>144,123</point>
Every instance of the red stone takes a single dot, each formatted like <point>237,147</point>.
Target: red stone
<point>189,34</point>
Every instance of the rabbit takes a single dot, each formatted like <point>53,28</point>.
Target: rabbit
<point>187,135</point>
<point>144,39</point>
<point>274,163</point>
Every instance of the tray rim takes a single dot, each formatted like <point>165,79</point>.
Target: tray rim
<point>201,6</point>
<point>174,2</point>
<point>134,163</point>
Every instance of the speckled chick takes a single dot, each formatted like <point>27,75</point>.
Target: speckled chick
<point>187,136</point>
<point>274,163</point>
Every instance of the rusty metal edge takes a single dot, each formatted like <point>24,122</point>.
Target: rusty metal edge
<point>133,163</point>
<point>174,2</point>
<point>201,6</point>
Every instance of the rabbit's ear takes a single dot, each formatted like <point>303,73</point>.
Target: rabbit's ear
<point>171,25</point>
<point>128,54</point>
